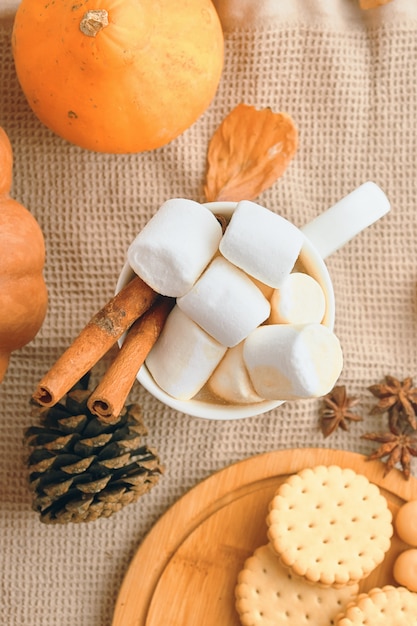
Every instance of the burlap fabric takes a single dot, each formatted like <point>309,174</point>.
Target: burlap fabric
<point>349,80</point>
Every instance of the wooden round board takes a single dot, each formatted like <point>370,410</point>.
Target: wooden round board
<point>184,572</point>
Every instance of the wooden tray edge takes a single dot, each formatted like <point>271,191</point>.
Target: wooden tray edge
<point>212,493</point>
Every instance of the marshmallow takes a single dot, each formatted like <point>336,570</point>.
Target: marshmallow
<point>287,362</point>
<point>230,380</point>
<point>184,356</point>
<point>262,243</point>
<point>225,303</point>
<point>175,246</point>
<point>299,300</point>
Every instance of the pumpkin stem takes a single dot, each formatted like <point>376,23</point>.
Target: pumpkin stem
<point>4,362</point>
<point>94,21</point>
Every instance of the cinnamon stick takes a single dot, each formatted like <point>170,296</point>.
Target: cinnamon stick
<point>96,338</point>
<point>109,397</point>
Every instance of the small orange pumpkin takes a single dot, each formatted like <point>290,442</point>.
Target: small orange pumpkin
<point>23,293</point>
<point>118,76</point>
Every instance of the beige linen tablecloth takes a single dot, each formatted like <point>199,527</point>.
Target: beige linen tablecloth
<point>349,80</point>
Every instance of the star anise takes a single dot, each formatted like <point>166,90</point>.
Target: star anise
<point>336,412</point>
<point>399,445</point>
<point>396,396</point>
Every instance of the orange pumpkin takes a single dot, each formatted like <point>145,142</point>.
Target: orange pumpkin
<point>118,76</point>
<point>23,294</point>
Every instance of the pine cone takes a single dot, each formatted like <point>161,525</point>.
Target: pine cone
<point>81,469</point>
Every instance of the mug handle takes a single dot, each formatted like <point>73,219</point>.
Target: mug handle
<point>330,230</point>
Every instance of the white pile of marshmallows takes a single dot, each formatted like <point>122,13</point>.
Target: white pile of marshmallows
<point>245,325</point>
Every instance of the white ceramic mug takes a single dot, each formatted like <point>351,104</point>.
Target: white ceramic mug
<point>324,235</point>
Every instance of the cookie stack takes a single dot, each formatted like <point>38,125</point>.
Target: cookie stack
<point>328,529</point>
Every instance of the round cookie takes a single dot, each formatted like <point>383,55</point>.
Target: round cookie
<point>405,569</point>
<point>330,525</point>
<point>267,594</point>
<point>406,523</point>
<point>386,606</point>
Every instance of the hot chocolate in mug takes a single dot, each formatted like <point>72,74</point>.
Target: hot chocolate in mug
<point>323,236</point>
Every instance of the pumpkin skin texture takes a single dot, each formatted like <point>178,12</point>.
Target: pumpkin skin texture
<point>135,85</point>
<point>23,293</point>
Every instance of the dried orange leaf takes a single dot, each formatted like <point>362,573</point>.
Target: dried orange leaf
<point>249,151</point>
<point>372,4</point>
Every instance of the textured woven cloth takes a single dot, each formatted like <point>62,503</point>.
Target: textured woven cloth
<point>349,80</point>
